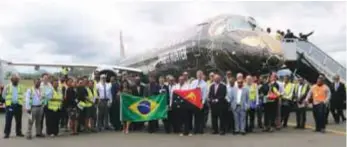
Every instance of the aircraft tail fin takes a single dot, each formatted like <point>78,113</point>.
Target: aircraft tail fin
<point>122,51</point>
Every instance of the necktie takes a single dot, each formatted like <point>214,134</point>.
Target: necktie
<point>199,83</point>
<point>336,86</point>
<point>105,91</point>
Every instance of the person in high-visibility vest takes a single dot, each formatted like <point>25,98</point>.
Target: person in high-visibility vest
<point>90,106</point>
<point>53,109</point>
<point>64,71</point>
<point>287,100</point>
<point>34,108</point>
<point>320,94</point>
<point>82,95</point>
<point>13,94</point>
<point>300,92</point>
<point>254,101</point>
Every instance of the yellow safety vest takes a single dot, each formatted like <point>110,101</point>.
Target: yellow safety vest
<point>253,92</point>
<point>54,104</point>
<point>303,89</point>
<point>9,96</point>
<point>91,95</point>
<point>64,71</point>
<point>288,92</point>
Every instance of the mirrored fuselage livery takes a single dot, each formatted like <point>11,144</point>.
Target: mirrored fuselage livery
<point>225,42</point>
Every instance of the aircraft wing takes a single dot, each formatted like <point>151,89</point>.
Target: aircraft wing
<point>93,66</point>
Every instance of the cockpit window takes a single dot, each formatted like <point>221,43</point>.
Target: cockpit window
<point>238,23</point>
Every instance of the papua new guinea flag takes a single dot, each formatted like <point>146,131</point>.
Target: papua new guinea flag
<point>139,109</point>
<point>192,96</point>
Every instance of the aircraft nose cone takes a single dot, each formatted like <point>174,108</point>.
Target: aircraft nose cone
<point>263,41</point>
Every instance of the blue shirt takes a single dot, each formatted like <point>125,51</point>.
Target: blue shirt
<point>14,95</point>
<point>35,96</point>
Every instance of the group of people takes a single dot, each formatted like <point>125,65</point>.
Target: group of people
<point>281,36</point>
<point>83,105</point>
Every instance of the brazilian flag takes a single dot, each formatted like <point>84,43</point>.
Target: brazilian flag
<point>140,109</point>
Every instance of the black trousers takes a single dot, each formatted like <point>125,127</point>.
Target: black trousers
<point>52,122</point>
<point>259,112</point>
<point>250,117</point>
<point>187,121</point>
<point>285,112</point>
<point>177,120</point>
<point>270,111</point>
<point>64,118</point>
<point>115,115</point>
<point>301,117</point>
<point>198,121</point>
<point>206,114</point>
<point>152,126</point>
<point>168,125</point>
<point>81,120</point>
<point>16,112</point>
<point>336,110</point>
<point>219,115</point>
<point>319,116</point>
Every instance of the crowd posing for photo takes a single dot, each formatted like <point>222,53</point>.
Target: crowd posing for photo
<point>237,104</point>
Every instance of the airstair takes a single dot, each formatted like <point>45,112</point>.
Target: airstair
<point>308,61</point>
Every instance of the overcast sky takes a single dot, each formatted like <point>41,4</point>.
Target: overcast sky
<point>83,32</point>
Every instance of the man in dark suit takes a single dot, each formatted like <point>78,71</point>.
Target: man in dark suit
<point>219,105</point>
<point>138,90</point>
<point>115,107</point>
<point>152,88</point>
<point>165,89</point>
<point>338,100</point>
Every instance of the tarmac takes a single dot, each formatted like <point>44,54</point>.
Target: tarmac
<point>287,137</point>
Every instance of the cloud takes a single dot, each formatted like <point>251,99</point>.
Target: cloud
<point>84,32</point>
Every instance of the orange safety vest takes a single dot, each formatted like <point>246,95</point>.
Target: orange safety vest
<point>319,93</point>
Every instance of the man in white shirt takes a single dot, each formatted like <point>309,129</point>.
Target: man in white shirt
<point>176,104</point>
<point>34,108</point>
<point>47,93</point>
<point>199,114</point>
<point>105,101</point>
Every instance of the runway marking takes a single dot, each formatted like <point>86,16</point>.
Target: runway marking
<point>328,130</point>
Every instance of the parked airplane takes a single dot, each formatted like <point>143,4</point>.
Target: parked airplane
<point>218,44</point>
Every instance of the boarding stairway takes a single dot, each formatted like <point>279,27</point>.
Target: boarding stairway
<point>308,61</point>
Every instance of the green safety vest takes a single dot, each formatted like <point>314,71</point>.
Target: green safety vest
<point>54,104</point>
<point>288,92</point>
<point>253,92</point>
<point>64,71</point>
<point>9,97</point>
<point>303,89</point>
<point>91,95</point>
